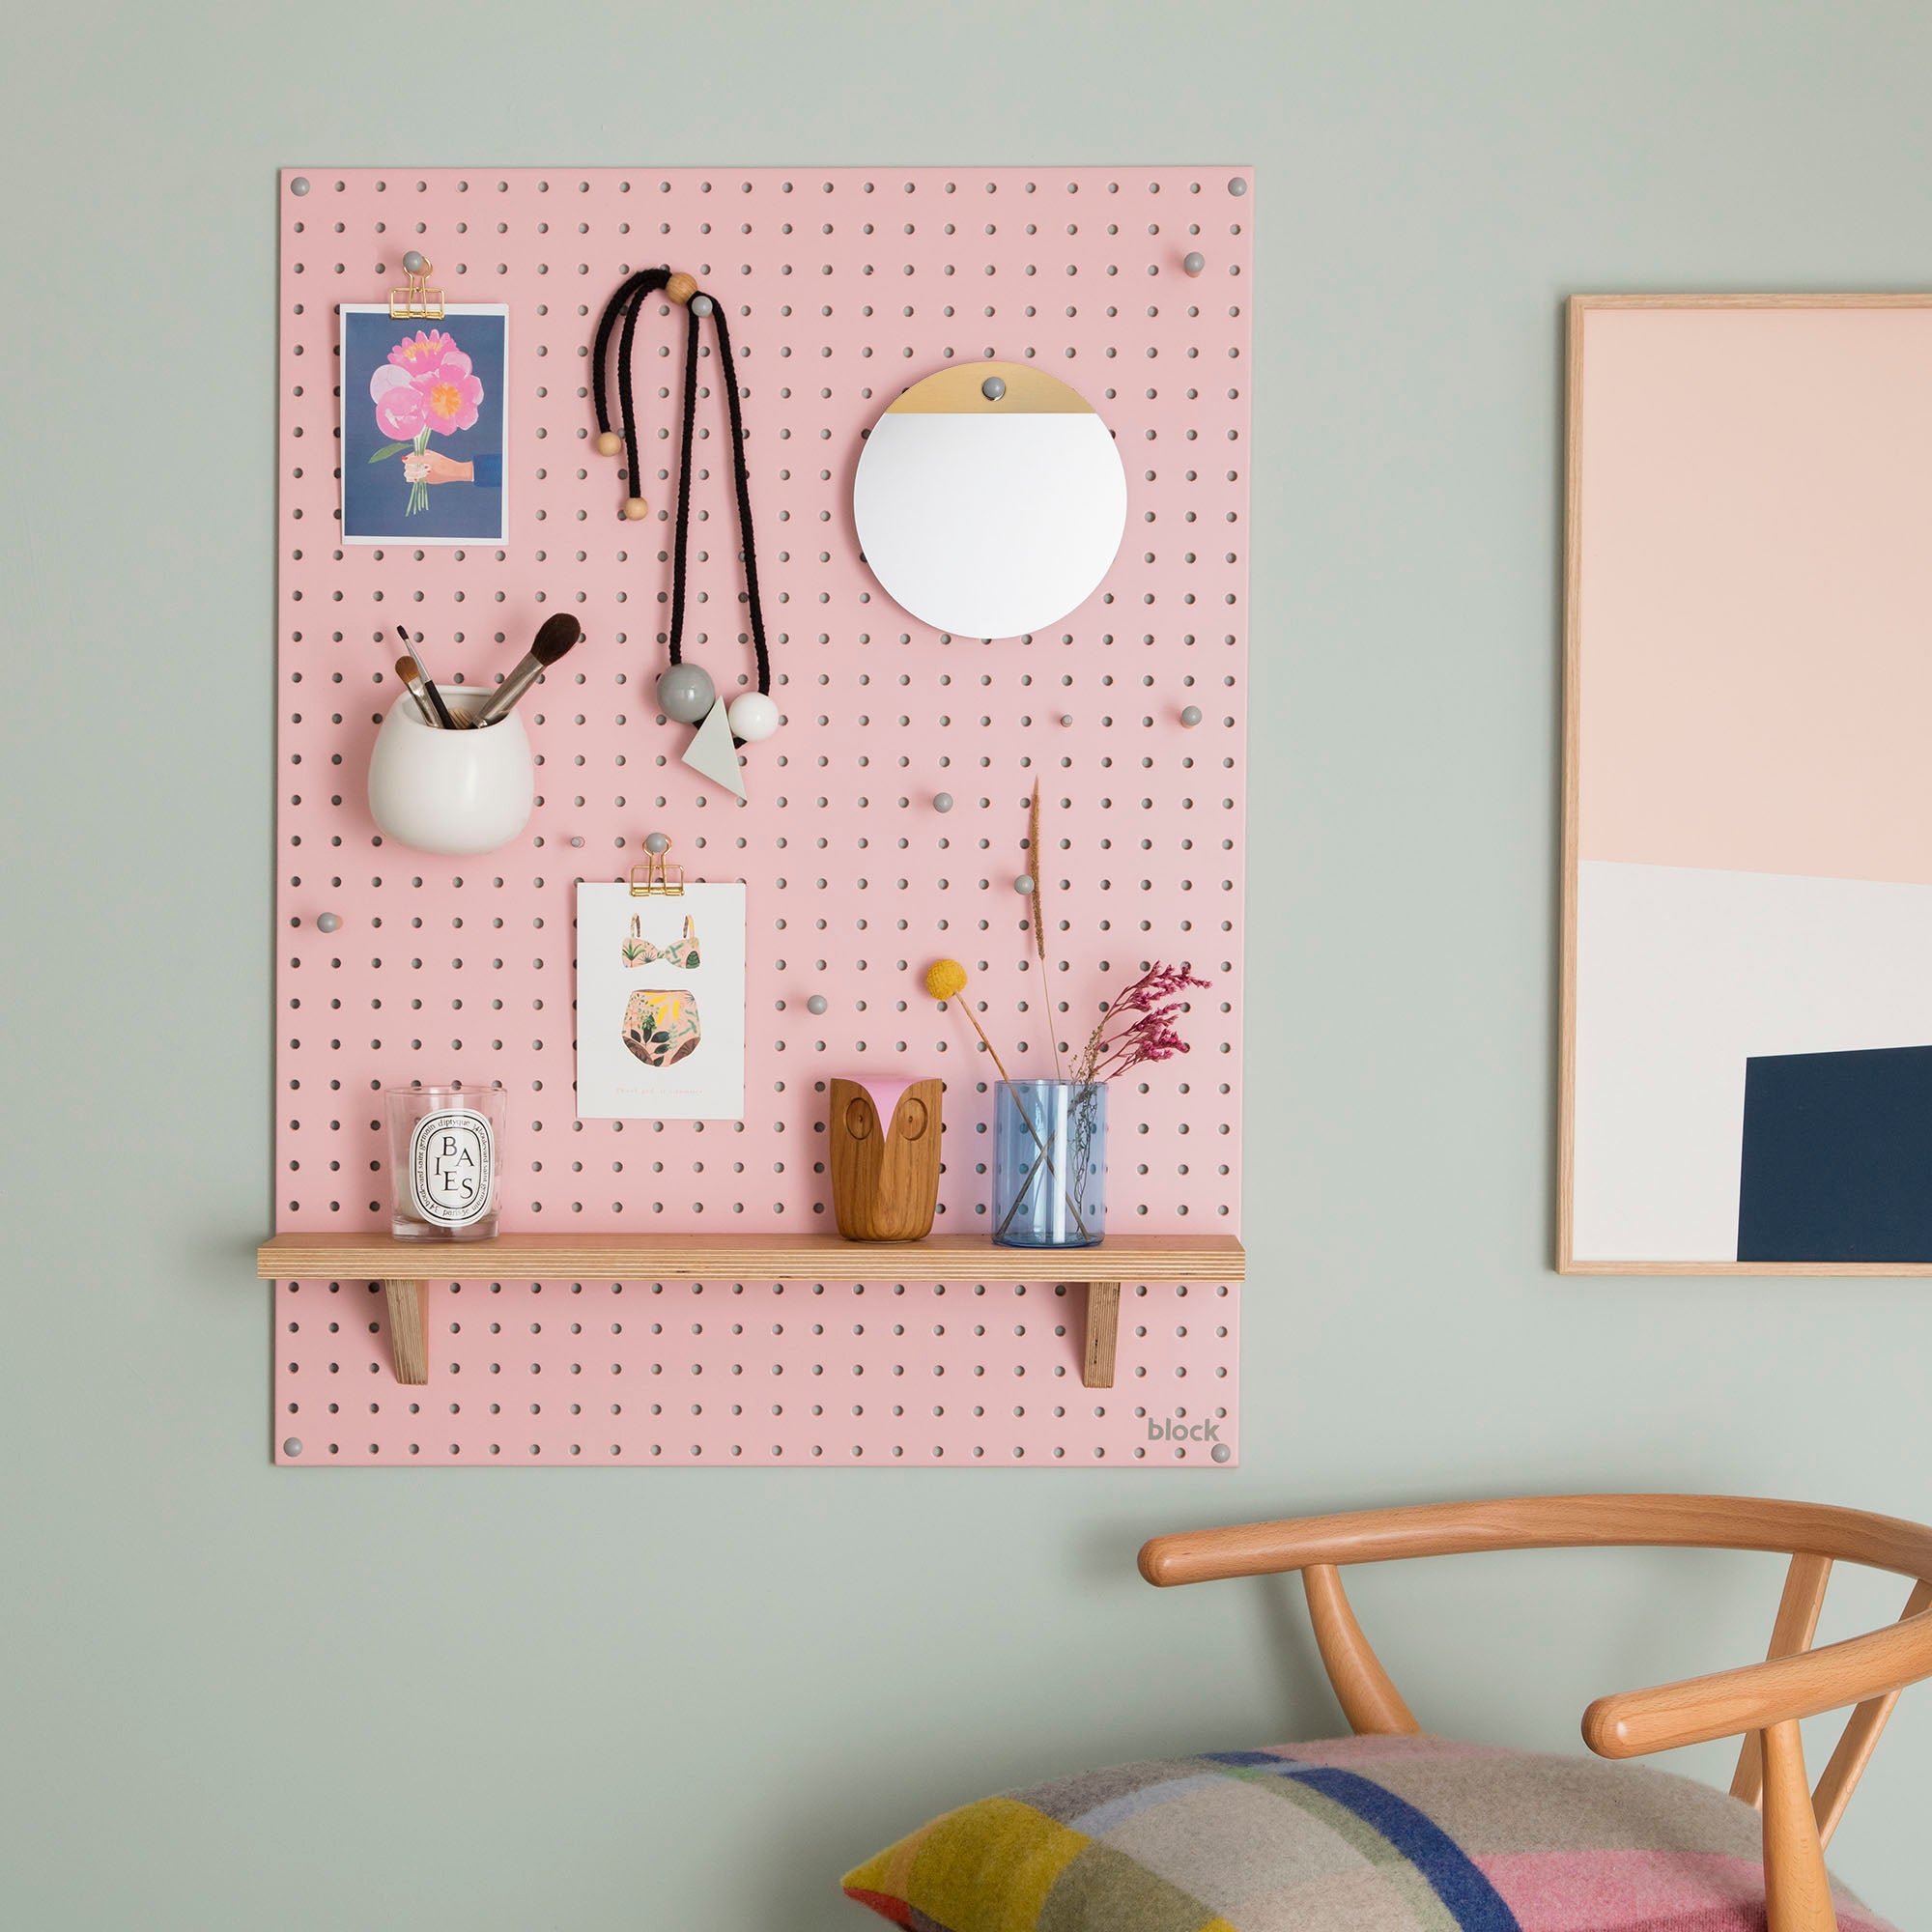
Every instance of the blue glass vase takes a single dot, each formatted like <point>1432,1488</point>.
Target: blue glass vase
<point>1049,1163</point>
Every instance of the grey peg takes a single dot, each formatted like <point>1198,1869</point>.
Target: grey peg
<point>656,842</point>
<point>291,1446</point>
<point>1067,718</point>
<point>1221,1452</point>
<point>416,263</point>
<point>1024,883</point>
<point>1238,186</point>
<point>701,305</point>
<point>942,801</point>
<point>1194,263</point>
<point>299,186</point>
<point>328,922</point>
<point>993,388</point>
<point>817,1004</point>
<point>576,839</point>
<point>1191,717</point>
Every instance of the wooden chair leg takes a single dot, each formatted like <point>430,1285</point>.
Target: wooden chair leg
<point>1796,1894</point>
<point>1797,1624</point>
<point>1369,1699</point>
<point>1103,1334</point>
<point>409,1328</point>
<point>1860,1739</point>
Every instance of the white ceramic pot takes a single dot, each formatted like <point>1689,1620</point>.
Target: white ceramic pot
<point>450,791</point>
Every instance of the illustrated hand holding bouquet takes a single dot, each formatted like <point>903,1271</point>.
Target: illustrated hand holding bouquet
<point>426,387</point>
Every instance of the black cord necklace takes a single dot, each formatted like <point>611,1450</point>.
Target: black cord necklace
<point>685,692</point>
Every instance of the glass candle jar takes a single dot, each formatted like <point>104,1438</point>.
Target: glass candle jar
<point>445,1160</point>
<point>1049,1163</point>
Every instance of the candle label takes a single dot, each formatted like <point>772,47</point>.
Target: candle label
<point>451,1168</point>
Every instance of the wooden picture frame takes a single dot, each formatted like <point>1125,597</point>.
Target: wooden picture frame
<point>1746,886</point>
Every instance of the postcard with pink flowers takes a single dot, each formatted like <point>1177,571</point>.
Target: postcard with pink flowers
<point>424,426</point>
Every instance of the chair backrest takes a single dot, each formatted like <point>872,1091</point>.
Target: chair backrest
<point>1763,1701</point>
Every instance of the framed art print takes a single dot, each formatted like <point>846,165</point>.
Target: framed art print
<point>660,1003</point>
<point>424,425</point>
<point>1747,1052</point>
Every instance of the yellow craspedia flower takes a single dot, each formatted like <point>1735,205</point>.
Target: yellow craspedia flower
<point>945,979</point>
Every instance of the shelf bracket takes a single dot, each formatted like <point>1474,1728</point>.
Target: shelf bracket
<point>1103,1333</point>
<point>409,1328</point>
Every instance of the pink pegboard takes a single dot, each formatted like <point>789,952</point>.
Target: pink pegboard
<point>845,287</point>
<point>820,1374</point>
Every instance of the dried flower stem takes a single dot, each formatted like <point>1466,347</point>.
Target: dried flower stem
<point>967,1006</point>
<point>1039,927</point>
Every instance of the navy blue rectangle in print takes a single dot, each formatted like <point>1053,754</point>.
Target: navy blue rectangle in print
<point>423,427</point>
<point>1837,1156</point>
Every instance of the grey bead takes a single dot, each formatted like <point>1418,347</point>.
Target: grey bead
<point>1024,883</point>
<point>1067,718</point>
<point>993,388</point>
<point>1238,186</point>
<point>701,305</point>
<point>942,801</point>
<point>686,693</point>
<point>1220,1452</point>
<point>817,1004</point>
<point>656,842</point>
<point>328,922</point>
<point>293,1446</point>
<point>416,263</point>
<point>1191,716</point>
<point>1194,263</point>
<point>299,186</point>
<point>577,842</point>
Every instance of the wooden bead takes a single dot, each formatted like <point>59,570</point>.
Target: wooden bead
<point>637,509</point>
<point>681,287</point>
<point>609,443</point>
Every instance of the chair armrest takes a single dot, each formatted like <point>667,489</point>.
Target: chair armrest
<point>1696,1710</point>
<point>1538,1522</point>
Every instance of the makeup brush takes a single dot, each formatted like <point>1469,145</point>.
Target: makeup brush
<point>555,638</point>
<point>407,671</point>
<point>429,689</point>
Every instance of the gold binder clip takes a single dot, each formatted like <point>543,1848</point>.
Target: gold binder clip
<point>657,881</point>
<point>417,301</point>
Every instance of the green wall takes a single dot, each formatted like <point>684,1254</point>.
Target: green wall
<point>235,1698</point>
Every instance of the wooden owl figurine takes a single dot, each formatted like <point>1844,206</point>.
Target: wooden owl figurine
<point>885,1158</point>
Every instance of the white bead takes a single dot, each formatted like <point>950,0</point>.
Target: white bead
<point>752,716</point>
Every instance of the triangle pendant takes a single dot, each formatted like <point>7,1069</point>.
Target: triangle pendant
<point>712,753</point>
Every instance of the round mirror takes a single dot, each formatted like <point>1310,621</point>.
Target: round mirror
<point>990,501</point>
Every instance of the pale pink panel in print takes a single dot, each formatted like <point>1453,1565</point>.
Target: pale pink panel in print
<point>1756,593</point>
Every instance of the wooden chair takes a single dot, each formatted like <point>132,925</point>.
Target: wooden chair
<point>1762,1702</point>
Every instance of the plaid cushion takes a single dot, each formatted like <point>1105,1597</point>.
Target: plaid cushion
<point>1361,1835</point>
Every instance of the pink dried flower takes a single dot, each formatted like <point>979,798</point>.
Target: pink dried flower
<point>1138,1025</point>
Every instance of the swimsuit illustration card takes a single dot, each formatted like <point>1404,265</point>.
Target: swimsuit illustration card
<point>660,1003</point>
<point>423,426</point>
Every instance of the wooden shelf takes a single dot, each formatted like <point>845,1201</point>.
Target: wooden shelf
<point>404,1266</point>
<point>748,1257</point>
